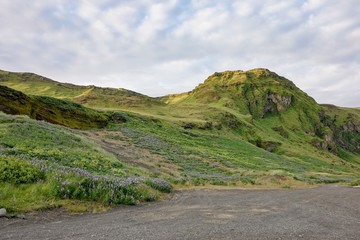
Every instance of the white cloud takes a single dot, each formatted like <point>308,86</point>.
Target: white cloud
<point>160,47</point>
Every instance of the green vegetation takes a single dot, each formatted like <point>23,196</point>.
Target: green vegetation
<point>220,156</point>
<point>53,110</point>
<point>90,96</point>
<point>238,128</point>
<point>17,172</point>
<point>42,165</point>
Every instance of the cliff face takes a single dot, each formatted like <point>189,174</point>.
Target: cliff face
<point>339,128</point>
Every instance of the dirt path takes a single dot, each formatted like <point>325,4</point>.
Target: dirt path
<point>328,212</point>
<point>121,147</point>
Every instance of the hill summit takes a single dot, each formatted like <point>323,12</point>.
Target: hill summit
<point>258,92</point>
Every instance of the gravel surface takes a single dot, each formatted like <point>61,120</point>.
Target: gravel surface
<point>327,212</point>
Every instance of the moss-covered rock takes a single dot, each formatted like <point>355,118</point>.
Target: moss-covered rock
<point>52,110</point>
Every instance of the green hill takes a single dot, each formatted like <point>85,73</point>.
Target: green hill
<point>237,128</point>
<point>264,105</point>
<point>90,96</point>
<point>257,94</point>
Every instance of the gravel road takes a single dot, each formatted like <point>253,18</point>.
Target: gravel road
<point>327,212</point>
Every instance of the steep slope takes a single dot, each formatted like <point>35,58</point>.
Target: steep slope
<point>52,110</point>
<point>341,126</point>
<point>90,96</point>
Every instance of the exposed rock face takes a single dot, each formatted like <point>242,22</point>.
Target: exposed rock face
<point>276,103</point>
<point>342,132</point>
<point>351,126</point>
<point>347,136</point>
<point>329,143</point>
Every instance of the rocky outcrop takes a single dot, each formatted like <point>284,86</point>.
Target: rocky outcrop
<point>276,103</point>
<point>347,135</point>
<point>329,144</point>
<point>352,125</point>
<point>339,129</point>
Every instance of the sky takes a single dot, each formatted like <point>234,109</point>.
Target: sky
<point>162,47</point>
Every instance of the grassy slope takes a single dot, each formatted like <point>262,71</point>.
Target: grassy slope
<point>91,96</point>
<point>70,162</point>
<point>222,156</point>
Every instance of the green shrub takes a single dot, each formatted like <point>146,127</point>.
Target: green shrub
<point>18,171</point>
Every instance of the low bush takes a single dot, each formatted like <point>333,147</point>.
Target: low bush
<point>18,171</point>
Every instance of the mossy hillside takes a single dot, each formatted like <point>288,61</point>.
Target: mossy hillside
<point>246,100</point>
<point>259,93</point>
<point>53,110</point>
<point>91,96</point>
<point>253,103</point>
<point>50,162</point>
<point>341,126</point>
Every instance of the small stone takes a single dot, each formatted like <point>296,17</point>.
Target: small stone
<point>2,212</point>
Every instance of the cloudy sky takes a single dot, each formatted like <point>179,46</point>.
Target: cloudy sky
<point>160,47</point>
